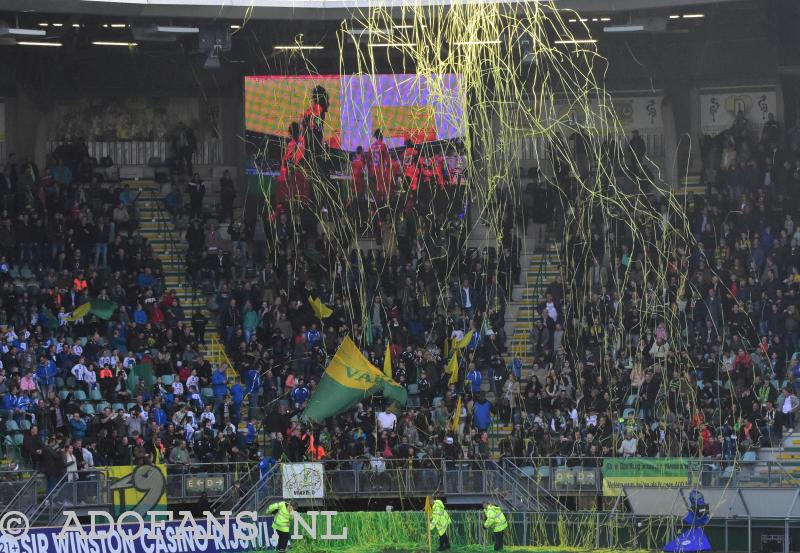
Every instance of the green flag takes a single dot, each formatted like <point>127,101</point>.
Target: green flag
<point>102,308</point>
<point>141,372</point>
<point>348,379</point>
<point>47,319</point>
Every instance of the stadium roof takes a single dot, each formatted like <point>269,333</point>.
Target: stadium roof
<point>288,9</point>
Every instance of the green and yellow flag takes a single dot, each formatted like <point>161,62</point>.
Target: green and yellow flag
<point>102,308</point>
<point>348,379</point>
<point>321,310</point>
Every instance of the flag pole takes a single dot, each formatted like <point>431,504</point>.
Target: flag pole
<point>428,517</point>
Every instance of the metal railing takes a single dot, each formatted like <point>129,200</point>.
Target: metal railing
<point>164,225</point>
<point>243,484</point>
<point>265,489</point>
<point>379,478</point>
<point>19,494</point>
<point>570,475</point>
<point>186,483</point>
<point>139,152</point>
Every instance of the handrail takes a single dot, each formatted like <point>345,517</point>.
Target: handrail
<point>253,494</point>
<point>539,274</point>
<point>48,499</point>
<point>247,476</point>
<point>220,356</point>
<point>165,227</point>
<point>539,489</point>
<point>31,481</point>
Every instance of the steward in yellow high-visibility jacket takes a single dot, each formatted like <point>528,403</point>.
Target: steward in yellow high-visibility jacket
<point>496,522</point>
<point>440,522</point>
<point>282,522</point>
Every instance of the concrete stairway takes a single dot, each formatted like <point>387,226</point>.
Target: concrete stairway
<point>156,225</point>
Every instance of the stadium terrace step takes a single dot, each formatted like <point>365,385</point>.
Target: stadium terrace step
<point>163,235</point>
<point>789,456</point>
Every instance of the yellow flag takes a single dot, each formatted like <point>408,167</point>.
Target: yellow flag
<point>428,508</point>
<point>457,415</point>
<point>80,312</point>
<point>320,309</point>
<point>452,368</point>
<point>387,360</point>
<point>464,342</point>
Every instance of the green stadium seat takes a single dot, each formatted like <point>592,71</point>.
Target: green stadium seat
<point>87,408</point>
<point>12,426</point>
<point>95,395</point>
<point>25,425</point>
<point>117,406</point>
<point>79,395</point>
<point>167,379</point>
<point>63,394</point>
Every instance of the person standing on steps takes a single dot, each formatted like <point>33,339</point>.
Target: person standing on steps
<point>440,522</point>
<point>282,511</point>
<point>496,522</point>
<point>199,322</point>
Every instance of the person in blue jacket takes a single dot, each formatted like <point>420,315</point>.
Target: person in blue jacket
<point>694,538</point>
<point>482,413</point>
<point>219,383</point>
<point>10,404</point>
<point>77,427</point>
<point>46,372</point>
<point>237,395</point>
<point>475,379</point>
<point>300,394</point>
<point>158,415</point>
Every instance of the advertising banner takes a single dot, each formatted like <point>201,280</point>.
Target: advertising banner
<point>139,488</point>
<point>651,473</point>
<point>303,480</point>
<point>718,109</point>
<point>131,538</point>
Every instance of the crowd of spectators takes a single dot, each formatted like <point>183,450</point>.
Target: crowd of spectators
<point>70,395</point>
<point>718,377</point>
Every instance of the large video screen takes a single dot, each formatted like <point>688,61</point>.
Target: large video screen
<point>425,108</point>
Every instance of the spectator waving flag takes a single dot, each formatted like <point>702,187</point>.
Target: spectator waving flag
<point>321,310</point>
<point>347,380</point>
<point>104,309</point>
<point>80,312</point>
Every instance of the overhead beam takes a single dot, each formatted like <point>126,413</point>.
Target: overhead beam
<point>306,9</point>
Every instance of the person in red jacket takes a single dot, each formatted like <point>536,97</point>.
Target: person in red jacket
<point>410,165</point>
<point>359,168</point>
<point>292,179</point>
<point>380,168</point>
<point>314,125</point>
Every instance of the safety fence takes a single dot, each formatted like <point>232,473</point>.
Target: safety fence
<point>141,152</point>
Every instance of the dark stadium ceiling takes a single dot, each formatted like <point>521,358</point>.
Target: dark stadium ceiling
<point>297,9</point>
<point>90,25</point>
